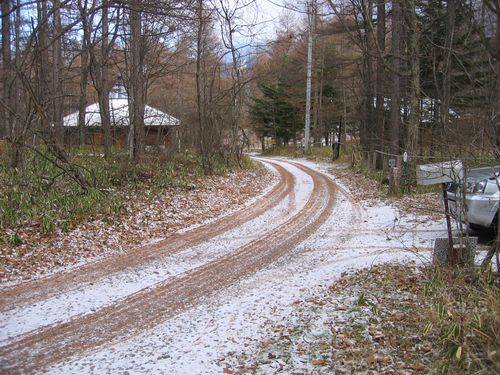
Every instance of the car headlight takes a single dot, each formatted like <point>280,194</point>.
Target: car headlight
<point>480,186</point>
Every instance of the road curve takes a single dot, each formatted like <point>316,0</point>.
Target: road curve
<point>151,306</point>
<point>33,291</point>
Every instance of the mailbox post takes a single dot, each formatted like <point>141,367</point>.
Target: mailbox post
<point>441,173</point>
<point>452,253</point>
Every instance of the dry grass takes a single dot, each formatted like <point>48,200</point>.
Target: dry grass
<point>464,314</point>
<point>3,148</point>
<point>315,153</point>
<point>389,319</point>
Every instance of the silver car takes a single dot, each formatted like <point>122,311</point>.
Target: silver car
<point>482,198</point>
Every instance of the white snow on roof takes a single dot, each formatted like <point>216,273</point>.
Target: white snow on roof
<point>120,116</point>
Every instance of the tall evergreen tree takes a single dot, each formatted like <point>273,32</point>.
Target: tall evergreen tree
<point>275,114</point>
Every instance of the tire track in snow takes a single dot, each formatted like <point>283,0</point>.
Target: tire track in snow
<point>37,290</point>
<point>112,288</point>
<point>149,307</point>
<point>199,340</point>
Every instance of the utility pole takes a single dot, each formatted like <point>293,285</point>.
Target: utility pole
<point>311,12</point>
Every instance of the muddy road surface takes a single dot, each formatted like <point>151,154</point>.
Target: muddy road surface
<point>73,314</point>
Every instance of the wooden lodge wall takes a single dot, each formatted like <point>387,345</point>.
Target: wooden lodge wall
<point>155,136</point>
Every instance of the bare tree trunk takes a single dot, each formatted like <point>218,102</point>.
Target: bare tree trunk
<point>43,65</point>
<point>397,20</point>
<point>444,110</point>
<point>99,68</point>
<point>318,101</point>
<point>17,107</point>
<point>7,124</point>
<point>89,65</point>
<point>413,93</point>
<point>84,78</point>
<point>6,65</point>
<point>136,97</point>
<point>200,94</point>
<point>311,10</point>
<point>338,143</point>
<point>379,130</point>
<point>343,134</point>
<point>103,92</point>
<point>369,87</point>
<point>496,106</point>
<point>228,16</point>
<point>57,82</point>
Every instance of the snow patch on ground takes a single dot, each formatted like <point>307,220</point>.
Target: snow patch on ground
<point>198,341</point>
<point>109,290</point>
<point>148,217</point>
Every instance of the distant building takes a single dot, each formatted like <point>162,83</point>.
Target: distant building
<point>157,123</point>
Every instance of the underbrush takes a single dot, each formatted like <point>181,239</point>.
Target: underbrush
<point>351,155</point>
<point>450,316</point>
<point>41,196</point>
<point>323,153</point>
<point>463,315</point>
<point>388,319</point>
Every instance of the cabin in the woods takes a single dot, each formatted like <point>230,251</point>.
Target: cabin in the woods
<point>158,125</point>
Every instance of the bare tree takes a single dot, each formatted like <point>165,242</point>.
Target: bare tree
<point>86,15</point>
<point>200,87</point>
<point>98,60</point>
<point>379,84</point>
<point>102,81</point>
<point>136,88</point>
<point>42,54</point>
<point>311,20</point>
<point>57,73</point>
<point>229,16</point>
<point>413,34</point>
<point>7,125</point>
<point>395,77</point>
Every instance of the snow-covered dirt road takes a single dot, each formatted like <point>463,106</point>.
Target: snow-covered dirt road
<point>185,303</point>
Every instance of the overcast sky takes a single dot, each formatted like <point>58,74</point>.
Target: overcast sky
<point>269,13</point>
<point>265,15</point>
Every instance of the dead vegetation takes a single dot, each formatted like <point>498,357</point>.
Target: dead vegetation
<point>147,215</point>
<point>386,320</point>
<point>367,188</point>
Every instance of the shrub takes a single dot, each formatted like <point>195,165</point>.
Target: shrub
<point>40,195</point>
